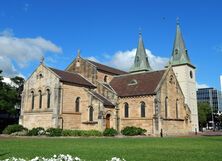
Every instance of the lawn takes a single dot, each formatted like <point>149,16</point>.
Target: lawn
<point>131,149</point>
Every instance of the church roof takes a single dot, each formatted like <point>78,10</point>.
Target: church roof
<point>74,78</point>
<point>137,84</point>
<point>141,62</point>
<point>107,69</point>
<point>104,100</point>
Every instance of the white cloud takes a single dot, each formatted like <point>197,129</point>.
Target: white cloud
<point>21,51</point>
<point>93,59</point>
<point>201,85</point>
<point>124,60</point>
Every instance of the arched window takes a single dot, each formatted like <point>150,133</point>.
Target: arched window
<point>77,104</point>
<point>166,106</point>
<point>142,109</point>
<point>90,113</point>
<point>105,78</point>
<point>33,99</point>
<point>40,99</point>
<point>48,98</point>
<point>177,108</point>
<point>126,110</point>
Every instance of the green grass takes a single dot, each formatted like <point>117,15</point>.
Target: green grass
<point>131,149</point>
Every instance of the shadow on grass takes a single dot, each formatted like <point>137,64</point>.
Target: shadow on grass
<point>2,154</point>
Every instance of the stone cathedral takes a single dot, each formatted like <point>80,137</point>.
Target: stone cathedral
<point>89,95</point>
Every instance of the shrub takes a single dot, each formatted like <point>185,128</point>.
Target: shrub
<point>71,132</point>
<point>54,132</point>
<point>36,131</point>
<point>81,133</point>
<point>91,133</point>
<point>110,132</point>
<point>131,131</point>
<point>13,128</point>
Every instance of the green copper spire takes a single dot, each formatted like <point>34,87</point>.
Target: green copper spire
<point>179,54</point>
<point>141,62</point>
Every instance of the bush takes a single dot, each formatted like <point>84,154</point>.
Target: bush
<point>54,132</point>
<point>110,132</point>
<point>71,132</point>
<point>36,131</point>
<point>13,128</point>
<point>132,130</point>
<point>81,133</point>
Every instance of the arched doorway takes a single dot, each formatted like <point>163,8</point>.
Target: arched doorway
<point>108,121</point>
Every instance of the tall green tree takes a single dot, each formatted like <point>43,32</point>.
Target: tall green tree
<point>9,95</point>
<point>204,113</point>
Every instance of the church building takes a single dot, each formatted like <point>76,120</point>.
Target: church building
<point>89,95</point>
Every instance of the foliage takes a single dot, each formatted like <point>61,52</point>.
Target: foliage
<point>10,95</point>
<point>204,113</point>
<point>131,149</point>
<point>36,131</point>
<point>81,133</point>
<point>13,128</point>
<point>110,132</point>
<point>132,131</point>
<point>54,132</point>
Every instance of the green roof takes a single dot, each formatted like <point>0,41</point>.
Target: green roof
<point>179,53</point>
<point>141,62</point>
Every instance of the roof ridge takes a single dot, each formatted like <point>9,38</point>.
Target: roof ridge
<point>105,65</point>
<point>94,92</point>
<point>137,73</point>
<point>85,79</point>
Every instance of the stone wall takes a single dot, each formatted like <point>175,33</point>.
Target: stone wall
<point>42,79</point>
<point>135,118</point>
<point>37,119</point>
<point>175,121</point>
<point>85,68</point>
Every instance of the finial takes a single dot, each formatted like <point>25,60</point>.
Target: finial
<point>140,31</point>
<point>78,53</point>
<point>42,60</point>
<point>178,20</point>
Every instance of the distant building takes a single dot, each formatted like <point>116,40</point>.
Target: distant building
<point>212,96</point>
<point>221,83</point>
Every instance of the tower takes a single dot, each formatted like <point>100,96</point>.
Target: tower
<point>141,62</point>
<point>185,73</point>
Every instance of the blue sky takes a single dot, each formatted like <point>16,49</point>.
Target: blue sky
<point>107,31</point>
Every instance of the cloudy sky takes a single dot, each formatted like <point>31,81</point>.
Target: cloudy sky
<point>107,32</point>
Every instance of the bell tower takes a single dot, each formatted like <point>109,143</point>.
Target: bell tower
<point>185,72</point>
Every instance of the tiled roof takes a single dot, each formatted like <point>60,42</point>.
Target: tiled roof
<point>107,68</point>
<point>137,84</point>
<point>72,78</point>
<point>104,100</point>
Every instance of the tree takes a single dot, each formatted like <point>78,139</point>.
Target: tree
<point>9,95</point>
<point>204,113</point>
<point>19,81</point>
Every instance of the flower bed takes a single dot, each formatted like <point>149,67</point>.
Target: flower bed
<point>60,157</point>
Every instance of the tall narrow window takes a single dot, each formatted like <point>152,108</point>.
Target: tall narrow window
<point>142,109</point>
<point>166,107</point>
<point>33,100</point>
<point>105,78</point>
<point>90,113</point>
<point>126,110</point>
<point>48,98</point>
<point>177,108</point>
<point>40,99</point>
<point>77,104</point>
